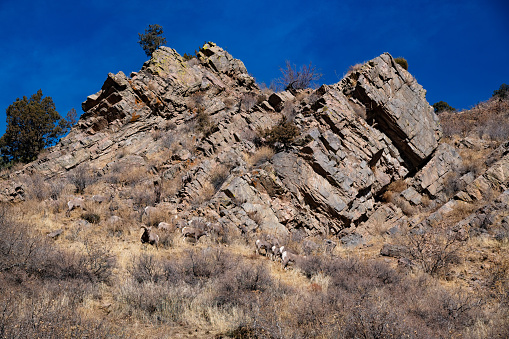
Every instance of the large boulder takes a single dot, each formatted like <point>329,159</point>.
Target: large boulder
<point>396,105</point>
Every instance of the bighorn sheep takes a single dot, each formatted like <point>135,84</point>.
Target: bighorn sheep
<point>195,233</point>
<point>262,244</point>
<point>149,236</point>
<point>287,257</point>
<point>165,226</point>
<point>75,203</point>
<point>277,251</point>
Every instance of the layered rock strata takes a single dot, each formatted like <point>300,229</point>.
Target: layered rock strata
<point>204,114</point>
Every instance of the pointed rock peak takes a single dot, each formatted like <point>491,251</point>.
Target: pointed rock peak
<point>220,60</point>
<point>396,105</point>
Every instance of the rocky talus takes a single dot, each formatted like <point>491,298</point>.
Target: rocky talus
<point>198,124</point>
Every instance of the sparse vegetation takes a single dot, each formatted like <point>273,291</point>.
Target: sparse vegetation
<point>435,249</point>
<point>155,234</point>
<point>81,177</point>
<point>204,123</point>
<point>261,155</point>
<point>442,106</point>
<point>91,217</point>
<point>402,62</point>
<point>292,78</point>
<point>489,118</point>
<point>188,57</point>
<point>151,39</point>
<point>282,134</point>
<point>502,92</point>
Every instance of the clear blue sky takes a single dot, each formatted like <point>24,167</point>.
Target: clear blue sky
<point>457,50</point>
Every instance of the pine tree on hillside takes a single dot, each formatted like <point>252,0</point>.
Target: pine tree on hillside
<point>32,125</point>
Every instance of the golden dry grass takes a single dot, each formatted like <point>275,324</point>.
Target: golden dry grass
<point>261,155</point>
<point>200,315</point>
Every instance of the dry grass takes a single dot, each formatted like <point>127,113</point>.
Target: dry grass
<point>487,119</point>
<point>260,156</point>
<point>181,287</point>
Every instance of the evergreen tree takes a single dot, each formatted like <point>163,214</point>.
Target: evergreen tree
<point>32,125</point>
<point>502,92</point>
<point>443,106</point>
<point>152,39</point>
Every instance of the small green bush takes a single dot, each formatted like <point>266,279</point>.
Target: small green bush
<point>402,62</point>
<point>284,132</point>
<point>188,57</point>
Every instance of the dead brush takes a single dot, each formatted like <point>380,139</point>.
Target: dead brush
<point>206,193</point>
<point>260,156</point>
<point>154,216</point>
<point>473,161</point>
<point>248,101</point>
<point>218,176</point>
<point>435,249</point>
<point>81,177</point>
<point>392,192</point>
<point>133,176</point>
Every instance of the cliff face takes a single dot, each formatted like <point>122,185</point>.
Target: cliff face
<point>194,123</point>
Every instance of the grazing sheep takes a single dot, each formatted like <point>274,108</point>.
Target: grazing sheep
<point>195,233</point>
<point>276,253</point>
<point>287,257</point>
<point>262,244</point>
<point>165,226</point>
<point>273,240</point>
<point>180,224</point>
<point>149,237</point>
<point>75,203</point>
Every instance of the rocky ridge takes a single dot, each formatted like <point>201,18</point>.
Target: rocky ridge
<point>195,125</point>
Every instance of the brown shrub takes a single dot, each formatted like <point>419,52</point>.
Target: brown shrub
<point>81,177</point>
<point>434,249</point>
<point>248,101</point>
<point>91,217</point>
<point>36,188</point>
<point>204,123</point>
<point>218,176</point>
<point>488,118</point>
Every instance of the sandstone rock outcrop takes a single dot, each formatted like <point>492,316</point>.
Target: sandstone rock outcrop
<point>198,120</point>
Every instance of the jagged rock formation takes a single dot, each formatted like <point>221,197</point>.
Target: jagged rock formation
<point>197,120</point>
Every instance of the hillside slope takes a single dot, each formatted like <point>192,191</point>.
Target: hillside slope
<point>404,232</point>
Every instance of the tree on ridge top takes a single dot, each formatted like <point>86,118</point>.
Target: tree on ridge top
<point>292,78</point>
<point>152,39</point>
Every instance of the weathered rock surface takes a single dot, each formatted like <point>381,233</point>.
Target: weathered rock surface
<point>395,103</point>
<point>188,122</point>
